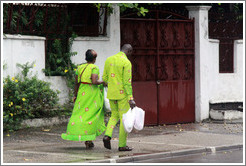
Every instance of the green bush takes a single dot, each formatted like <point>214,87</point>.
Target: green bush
<point>58,62</point>
<point>26,98</point>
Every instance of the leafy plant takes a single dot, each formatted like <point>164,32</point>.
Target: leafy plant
<point>141,11</point>
<point>26,97</point>
<point>4,66</point>
<point>25,68</point>
<point>59,62</point>
<point>15,16</point>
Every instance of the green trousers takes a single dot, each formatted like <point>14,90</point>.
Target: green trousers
<point>118,108</point>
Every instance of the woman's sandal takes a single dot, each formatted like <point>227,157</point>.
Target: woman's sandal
<point>89,144</point>
<point>126,148</point>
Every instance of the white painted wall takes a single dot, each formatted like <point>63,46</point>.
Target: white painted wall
<point>23,49</point>
<point>104,46</point>
<point>227,87</point>
<point>59,83</point>
<point>210,85</point>
<point>200,13</point>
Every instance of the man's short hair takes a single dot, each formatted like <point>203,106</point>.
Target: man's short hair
<point>126,47</point>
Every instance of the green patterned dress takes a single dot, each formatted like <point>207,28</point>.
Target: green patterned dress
<point>87,120</point>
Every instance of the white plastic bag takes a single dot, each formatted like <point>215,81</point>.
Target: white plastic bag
<point>106,101</point>
<point>139,118</point>
<point>128,120</point>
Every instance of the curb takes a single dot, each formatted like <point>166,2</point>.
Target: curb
<point>169,154</point>
<point>229,147</point>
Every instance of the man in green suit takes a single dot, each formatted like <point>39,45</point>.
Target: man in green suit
<point>118,74</point>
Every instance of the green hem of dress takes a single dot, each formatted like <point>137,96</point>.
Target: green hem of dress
<point>92,137</point>
<point>78,138</point>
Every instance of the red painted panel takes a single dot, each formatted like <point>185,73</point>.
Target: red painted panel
<point>177,102</point>
<point>163,52</point>
<point>145,97</point>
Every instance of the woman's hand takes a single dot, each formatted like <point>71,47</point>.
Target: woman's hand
<point>74,99</point>
<point>105,84</point>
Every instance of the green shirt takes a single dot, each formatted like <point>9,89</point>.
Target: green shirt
<point>118,74</point>
<point>86,76</point>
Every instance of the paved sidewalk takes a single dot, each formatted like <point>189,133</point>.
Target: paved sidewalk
<point>44,145</point>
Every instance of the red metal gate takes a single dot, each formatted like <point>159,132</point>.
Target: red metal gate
<point>163,66</point>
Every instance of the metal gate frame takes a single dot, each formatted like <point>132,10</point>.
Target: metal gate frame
<point>159,52</point>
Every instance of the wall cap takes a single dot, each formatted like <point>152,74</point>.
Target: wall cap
<point>86,38</point>
<point>214,40</point>
<point>240,41</point>
<point>23,37</point>
<point>195,8</point>
<point>215,101</point>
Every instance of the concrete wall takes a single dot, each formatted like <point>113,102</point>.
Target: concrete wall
<point>104,46</point>
<point>200,14</point>
<point>210,85</point>
<point>59,83</point>
<point>226,87</point>
<point>220,87</point>
<point>23,49</point>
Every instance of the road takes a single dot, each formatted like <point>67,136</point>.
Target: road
<point>233,156</point>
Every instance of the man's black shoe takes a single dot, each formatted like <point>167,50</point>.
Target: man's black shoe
<point>106,142</point>
<point>126,148</point>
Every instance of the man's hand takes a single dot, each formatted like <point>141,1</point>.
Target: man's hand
<point>132,103</point>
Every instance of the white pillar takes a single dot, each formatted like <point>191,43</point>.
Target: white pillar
<point>200,13</point>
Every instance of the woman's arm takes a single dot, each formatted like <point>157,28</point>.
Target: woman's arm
<point>76,87</point>
<point>94,79</point>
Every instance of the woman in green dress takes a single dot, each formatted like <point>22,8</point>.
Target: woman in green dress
<point>87,120</point>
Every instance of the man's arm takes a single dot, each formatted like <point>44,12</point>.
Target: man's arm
<point>105,72</point>
<point>127,83</point>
